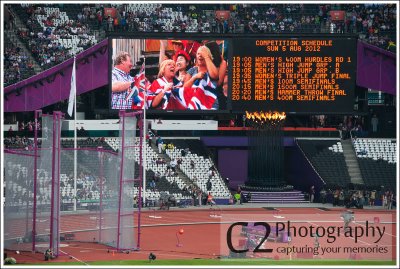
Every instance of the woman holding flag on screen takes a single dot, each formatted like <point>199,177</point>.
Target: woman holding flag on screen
<point>203,77</point>
<point>162,88</point>
<point>156,94</point>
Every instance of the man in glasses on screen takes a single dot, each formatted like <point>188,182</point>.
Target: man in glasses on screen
<point>122,82</point>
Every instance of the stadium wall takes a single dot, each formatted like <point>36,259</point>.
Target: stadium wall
<point>376,68</point>
<point>232,141</point>
<point>232,163</point>
<point>299,172</point>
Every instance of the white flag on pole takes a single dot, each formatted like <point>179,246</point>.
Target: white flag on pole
<point>72,92</point>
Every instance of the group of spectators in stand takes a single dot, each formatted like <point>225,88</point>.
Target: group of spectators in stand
<point>18,142</point>
<point>374,23</point>
<point>24,128</point>
<point>16,65</point>
<point>340,196</point>
<point>199,197</point>
<point>19,138</point>
<point>45,44</point>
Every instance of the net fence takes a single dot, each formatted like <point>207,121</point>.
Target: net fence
<point>18,207</point>
<point>31,211</point>
<point>50,204</point>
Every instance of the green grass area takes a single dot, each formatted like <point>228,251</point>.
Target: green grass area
<point>225,262</point>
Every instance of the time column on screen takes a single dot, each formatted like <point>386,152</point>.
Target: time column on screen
<point>236,85</point>
<point>247,70</point>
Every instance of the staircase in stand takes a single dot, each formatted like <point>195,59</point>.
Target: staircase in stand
<point>179,172</point>
<point>277,197</point>
<point>351,162</point>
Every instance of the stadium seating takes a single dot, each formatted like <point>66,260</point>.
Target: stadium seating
<point>164,184</point>
<point>65,20</point>
<point>16,64</point>
<point>327,158</point>
<point>377,159</point>
<point>199,175</point>
<point>375,149</point>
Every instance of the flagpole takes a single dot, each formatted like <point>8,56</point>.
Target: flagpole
<point>75,144</point>
<point>144,135</point>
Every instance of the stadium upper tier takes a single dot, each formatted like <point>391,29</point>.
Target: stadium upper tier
<point>40,36</point>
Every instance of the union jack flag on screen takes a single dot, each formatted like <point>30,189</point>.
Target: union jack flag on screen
<point>201,96</point>
<point>140,86</point>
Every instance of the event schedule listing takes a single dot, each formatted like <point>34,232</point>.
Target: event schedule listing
<point>290,70</point>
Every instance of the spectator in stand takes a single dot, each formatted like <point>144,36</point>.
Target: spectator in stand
<point>192,165</point>
<point>238,198</point>
<point>199,197</point>
<point>374,123</point>
<point>391,46</point>
<point>10,131</point>
<point>30,126</point>
<point>247,198</point>
<point>209,185</point>
<point>322,195</point>
<point>390,199</point>
<point>336,197</point>
<point>99,17</point>
<point>159,143</point>
<point>82,132</point>
<point>341,198</point>
<point>312,194</point>
<point>157,176</point>
<point>211,173</point>
<point>179,162</point>
<point>148,139</point>
<point>210,199</point>
<point>213,25</point>
<point>110,23</point>
<point>173,165</point>
<point>152,185</point>
<point>183,153</point>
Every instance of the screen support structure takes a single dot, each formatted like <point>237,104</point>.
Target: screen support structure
<point>55,187</point>
<point>143,136</point>
<point>38,113</point>
<point>128,147</point>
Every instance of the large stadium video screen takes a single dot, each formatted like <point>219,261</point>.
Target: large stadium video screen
<point>169,75</point>
<point>301,74</point>
<point>293,74</point>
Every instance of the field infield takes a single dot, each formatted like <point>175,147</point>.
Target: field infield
<point>198,236</point>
